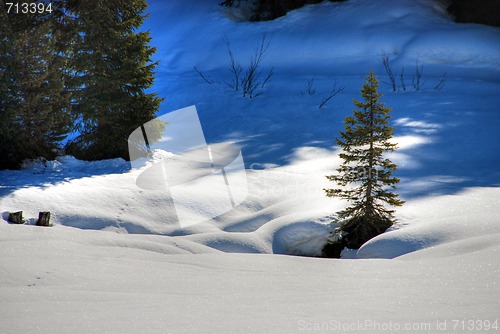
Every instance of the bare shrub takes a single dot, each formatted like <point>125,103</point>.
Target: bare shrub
<point>310,90</point>
<point>388,69</point>
<point>252,78</point>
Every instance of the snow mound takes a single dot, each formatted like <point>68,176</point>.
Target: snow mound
<point>468,216</point>
<point>292,236</point>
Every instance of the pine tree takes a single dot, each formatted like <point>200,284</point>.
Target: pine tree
<point>112,69</point>
<point>365,170</point>
<point>34,108</point>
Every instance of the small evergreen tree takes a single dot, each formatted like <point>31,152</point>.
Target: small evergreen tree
<point>368,173</point>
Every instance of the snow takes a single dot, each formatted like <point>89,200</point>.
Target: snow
<point>114,287</point>
<point>468,216</point>
<point>117,259</point>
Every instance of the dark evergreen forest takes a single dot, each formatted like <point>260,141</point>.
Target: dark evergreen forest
<point>73,67</point>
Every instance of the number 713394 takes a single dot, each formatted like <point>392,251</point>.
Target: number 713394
<point>28,7</point>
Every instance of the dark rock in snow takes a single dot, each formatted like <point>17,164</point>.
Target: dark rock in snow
<point>271,9</point>
<point>474,11</point>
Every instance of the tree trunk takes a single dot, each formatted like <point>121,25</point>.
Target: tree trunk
<point>16,217</point>
<point>332,250</point>
<point>43,219</point>
<point>369,185</point>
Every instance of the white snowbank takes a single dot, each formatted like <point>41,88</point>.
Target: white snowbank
<point>54,281</point>
<point>443,220</point>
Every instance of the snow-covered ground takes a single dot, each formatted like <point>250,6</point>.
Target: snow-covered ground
<point>116,259</point>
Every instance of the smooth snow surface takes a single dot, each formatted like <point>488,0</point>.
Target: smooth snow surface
<point>117,261</point>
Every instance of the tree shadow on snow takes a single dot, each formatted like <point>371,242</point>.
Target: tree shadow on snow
<point>46,176</point>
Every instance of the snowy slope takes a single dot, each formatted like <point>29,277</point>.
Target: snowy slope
<point>104,287</point>
<point>117,260</point>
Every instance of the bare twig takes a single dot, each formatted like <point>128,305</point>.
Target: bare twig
<point>402,77</point>
<point>250,80</point>
<point>234,67</point>
<point>388,69</point>
<point>310,90</point>
<point>269,75</point>
<point>441,83</point>
<point>335,91</point>
<point>207,79</point>
<point>419,69</point>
